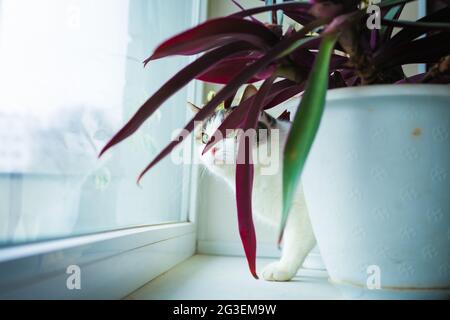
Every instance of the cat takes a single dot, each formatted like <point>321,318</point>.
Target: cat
<point>298,239</point>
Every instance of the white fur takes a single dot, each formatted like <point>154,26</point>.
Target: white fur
<point>267,203</point>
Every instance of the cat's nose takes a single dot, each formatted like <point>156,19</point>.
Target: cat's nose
<point>213,151</point>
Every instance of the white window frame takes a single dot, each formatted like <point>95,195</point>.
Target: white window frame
<point>112,264</point>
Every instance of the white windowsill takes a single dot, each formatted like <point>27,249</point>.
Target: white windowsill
<point>205,277</point>
<point>112,264</point>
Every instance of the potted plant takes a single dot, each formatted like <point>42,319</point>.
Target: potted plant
<point>347,46</point>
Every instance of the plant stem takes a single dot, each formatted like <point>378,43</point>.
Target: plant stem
<point>361,61</point>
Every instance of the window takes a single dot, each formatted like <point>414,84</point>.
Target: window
<point>71,75</point>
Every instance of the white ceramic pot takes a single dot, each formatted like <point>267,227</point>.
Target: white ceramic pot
<point>377,185</point>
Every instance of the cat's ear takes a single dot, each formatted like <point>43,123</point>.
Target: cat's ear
<point>266,118</point>
<point>249,91</point>
<point>193,107</point>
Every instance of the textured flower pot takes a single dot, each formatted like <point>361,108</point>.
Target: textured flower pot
<point>377,185</point>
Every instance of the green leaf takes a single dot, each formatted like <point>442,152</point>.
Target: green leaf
<point>306,124</point>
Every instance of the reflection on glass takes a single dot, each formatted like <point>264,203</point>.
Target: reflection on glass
<point>70,76</point>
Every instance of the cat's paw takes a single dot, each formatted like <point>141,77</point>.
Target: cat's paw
<point>277,272</point>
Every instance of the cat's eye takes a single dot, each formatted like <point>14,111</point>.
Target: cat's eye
<point>205,138</point>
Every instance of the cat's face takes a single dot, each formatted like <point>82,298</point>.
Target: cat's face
<point>221,159</point>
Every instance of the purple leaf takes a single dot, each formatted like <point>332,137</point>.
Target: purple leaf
<point>278,51</point>
<point>244,177</point>
<point>411,25</point>
<point>182,78</point>
<point>287,6</point>
<point>213,33</point>
<point>409,34</point>
<point>326,9</point>
<point>393,13</point>
<point>374,39</point>
<point>227,69</point>
<point>414,79</point>
<point>343,21</point>
<point>438,45</point>
<point>285,116</point>
<point>305,59</point>
<point>336,81</point>
<point>228,102</point>
<point>313,43</point>
<point>419,78</point>
<point>235,119</point>
<point>284,95</point>
<point>300,16</point>
<point>243,9</point>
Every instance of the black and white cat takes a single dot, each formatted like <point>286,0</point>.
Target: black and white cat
<point>267,188</point>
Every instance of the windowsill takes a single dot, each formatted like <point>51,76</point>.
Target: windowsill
<point>112,264</point>
<point>227,278</point>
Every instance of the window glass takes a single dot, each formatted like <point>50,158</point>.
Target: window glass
<point>71,75</point>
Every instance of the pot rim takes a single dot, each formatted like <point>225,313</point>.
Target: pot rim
<point>387,90</point>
